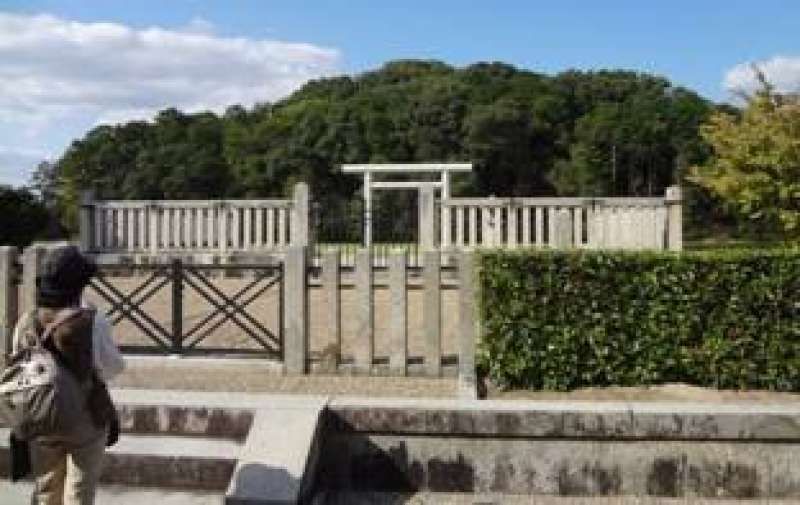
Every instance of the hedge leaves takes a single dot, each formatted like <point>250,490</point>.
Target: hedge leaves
<point>563,320</point>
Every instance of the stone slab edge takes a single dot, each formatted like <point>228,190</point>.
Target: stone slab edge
<point>277,465</point>
<point>570,420</point>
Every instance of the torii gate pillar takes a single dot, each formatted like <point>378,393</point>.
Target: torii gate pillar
<point>444,170</point>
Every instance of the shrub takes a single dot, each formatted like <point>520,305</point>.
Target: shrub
<point>563,320</point>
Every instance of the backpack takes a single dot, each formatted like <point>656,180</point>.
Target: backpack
<point>39,394</point>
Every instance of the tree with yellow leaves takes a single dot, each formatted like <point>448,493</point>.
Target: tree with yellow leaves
<point>755,166</point>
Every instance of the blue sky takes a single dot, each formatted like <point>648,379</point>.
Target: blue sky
<point>69,65</point>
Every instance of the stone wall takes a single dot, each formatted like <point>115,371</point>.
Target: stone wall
<point>667,450</point>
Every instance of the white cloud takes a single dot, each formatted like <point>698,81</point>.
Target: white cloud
<point>782,71</point>
<point>59,77</point>
<point>51,66</point>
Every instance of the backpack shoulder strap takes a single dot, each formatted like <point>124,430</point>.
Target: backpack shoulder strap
<point>62,317</point>
<point>30,330</point>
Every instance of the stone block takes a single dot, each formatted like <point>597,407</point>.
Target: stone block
<point>276,464</point>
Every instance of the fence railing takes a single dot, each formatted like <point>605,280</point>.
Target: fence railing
<point>421,329</point>
<point>231,226</point>
<point>392,353</point>
<point>223,226</point>
<point>614,223</point>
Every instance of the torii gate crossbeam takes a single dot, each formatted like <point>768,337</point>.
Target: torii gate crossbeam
<point>444,170</point>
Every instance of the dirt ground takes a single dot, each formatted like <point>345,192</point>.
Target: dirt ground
<point>662,393</point>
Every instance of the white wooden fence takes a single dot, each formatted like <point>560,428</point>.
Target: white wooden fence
<point>454,224</point>
<point>616,223</point>
<point>196,226</point>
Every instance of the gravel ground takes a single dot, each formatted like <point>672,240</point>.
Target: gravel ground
<point>251,375</point>
<point>662,393</point>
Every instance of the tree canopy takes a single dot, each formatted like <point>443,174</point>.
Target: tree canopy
<point>23,217</point>
<point>755,166</point>
<point>576,133</point>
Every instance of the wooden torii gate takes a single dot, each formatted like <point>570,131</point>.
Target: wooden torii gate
<point>367,170</point>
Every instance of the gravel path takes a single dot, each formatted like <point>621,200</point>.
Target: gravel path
<point>250,375</point>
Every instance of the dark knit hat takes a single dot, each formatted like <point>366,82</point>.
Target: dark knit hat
<point>65,273</point>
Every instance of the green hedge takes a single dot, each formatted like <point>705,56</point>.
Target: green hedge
<point>563,320</point>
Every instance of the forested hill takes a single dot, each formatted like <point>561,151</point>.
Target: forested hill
<point>587,133</point>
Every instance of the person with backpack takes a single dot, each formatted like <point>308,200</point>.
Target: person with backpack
<point>66,463</point>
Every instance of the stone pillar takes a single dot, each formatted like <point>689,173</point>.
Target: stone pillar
<point>223,210</point>
<point>427,221</point>
<point>295,340</point>
<point>398,357</point>
<point>596,223</point>
<point>432,313</point>
<point>365,328</point>
<point>300,229</point>
<point>468,325</point>
<point>153,224</point>
<point>87,231</point>
<point>367,209</point>
<point>512,210</point>
<point>674,201</point>
<point>563,230</point>
<point>32,259</point>
<point>330,285</point>
<point>8,299</point>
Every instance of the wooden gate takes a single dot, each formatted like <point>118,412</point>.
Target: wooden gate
<point>181,279</point>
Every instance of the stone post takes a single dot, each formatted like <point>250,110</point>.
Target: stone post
<point>87,231</point>
<point>32,259</point>
<point>563,230</point>
<point>432,312</point>
<point>295,340</point>
<point>364,352</point>
<point>596,223</point>
<point>331,263</point>
<point>398,357</point>
<point>674,201</point>
<point>427,221</point>
<point>300,216</point>
<point>468,325</point>
<point>8,299</point>
<point>153,224</point>
<point>223,211</point>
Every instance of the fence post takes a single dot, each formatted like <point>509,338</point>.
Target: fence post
<point>300,216</point>
<point>674,201</point>
<point>596,233</point>
<point>427,225</point>
<point>87,231</point>
<point>563,230</point>
<point>398,357</point>
<point>32,259</point>
<point>176,272</point>
<point>153,225</point>
<point>468,321</point>
<point>365,327</point>
<point>432,312</point>
<point>222,240</point>
<point>295,308</point>
<point>331,262</point>
<point>8,299</point>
